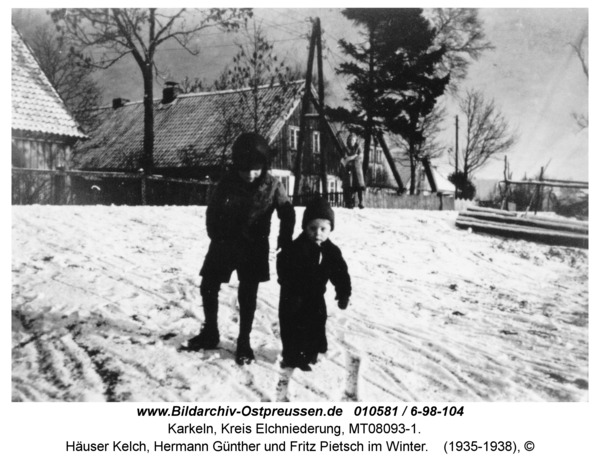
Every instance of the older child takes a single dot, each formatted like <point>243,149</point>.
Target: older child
<point>238,222</point>
<point>304,268</point>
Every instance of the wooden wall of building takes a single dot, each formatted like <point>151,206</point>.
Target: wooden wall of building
<point>40,153</point>
<point>285,157</point>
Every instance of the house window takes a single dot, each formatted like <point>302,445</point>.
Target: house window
<point>378,155</point>
<point>294,135</point>
<point>316,142</point>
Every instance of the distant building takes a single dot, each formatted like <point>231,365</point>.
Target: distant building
<point>423,186</point>
<point>194,132</point>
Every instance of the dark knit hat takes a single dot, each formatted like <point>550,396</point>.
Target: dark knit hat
<point>250,151</point>
<point>318,208</point>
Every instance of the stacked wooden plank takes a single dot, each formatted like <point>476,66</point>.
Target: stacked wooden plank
<point>547,230</point>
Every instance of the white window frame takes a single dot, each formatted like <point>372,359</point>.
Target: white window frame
<point>316,141</point>
<point>378,155</point>
<point>294,136</point>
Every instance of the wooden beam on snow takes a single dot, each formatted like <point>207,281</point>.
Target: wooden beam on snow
<point>553,237</point>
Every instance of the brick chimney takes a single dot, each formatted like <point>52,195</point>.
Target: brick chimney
<point>170,92</point>
<point>118,102</point>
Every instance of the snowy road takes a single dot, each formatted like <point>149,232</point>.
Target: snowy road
<point>104,297</point>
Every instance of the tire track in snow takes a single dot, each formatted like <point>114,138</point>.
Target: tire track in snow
<point>61,361</point>
<point>447,363</point>
<point>283,384</point>
<point>352,372</point>
<point>390,314</point>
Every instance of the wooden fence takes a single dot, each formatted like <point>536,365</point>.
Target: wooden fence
<point>336,199</point>
<point>37,186</point>
<point>383,199</point>
<point>389,199</point>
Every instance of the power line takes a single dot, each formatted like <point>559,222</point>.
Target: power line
<point>201,48</point>
<point>321,15</point>
<point>229,32</point>
<point>287,16</point>
<point>283,26</point>
<point>335,54</point>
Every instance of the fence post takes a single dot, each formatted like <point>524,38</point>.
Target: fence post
<point>58,186</point>
<point>143,189</point>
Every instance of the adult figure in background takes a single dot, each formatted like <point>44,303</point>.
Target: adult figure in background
<point>353,178</point>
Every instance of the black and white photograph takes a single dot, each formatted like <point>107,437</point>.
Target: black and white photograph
<point>300,205</point>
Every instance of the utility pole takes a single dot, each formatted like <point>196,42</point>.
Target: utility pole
<point>321,90</point>
<point>456,159</point>
<point>315,42</point>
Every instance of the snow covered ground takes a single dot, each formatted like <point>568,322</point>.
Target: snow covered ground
<point>103,298</point>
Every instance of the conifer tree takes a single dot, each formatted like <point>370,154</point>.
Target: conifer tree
<point>394,81</point>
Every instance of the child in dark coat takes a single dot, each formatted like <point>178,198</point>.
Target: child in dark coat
<point>238,222</point>
<point>304,268</point>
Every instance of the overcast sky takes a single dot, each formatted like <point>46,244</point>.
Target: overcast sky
<point>533,75</point>
<point>537,79</point>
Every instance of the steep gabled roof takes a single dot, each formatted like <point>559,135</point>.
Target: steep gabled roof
<point>36,106</point>
<point>190,131</point>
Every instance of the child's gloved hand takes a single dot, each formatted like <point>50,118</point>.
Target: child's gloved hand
<point>343,303</point>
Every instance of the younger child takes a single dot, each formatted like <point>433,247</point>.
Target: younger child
<point>304,268</point>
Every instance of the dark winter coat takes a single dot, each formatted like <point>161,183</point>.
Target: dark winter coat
<point>238,222</point>
<point>304,268</point>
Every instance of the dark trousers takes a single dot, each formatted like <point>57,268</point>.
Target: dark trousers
<point>349,200</point>
<point>348,197</point>
<point>302,324</point>
<point>359,192</point>
<point>247,293</point>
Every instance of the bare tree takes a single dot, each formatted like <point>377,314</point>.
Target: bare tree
<point>194,85</point>
<point>139,32</point>
<point>488,132</point>
<point>75,84</point>
<point>461,32</point>
<point>254,66</point>
<point>581,50</point>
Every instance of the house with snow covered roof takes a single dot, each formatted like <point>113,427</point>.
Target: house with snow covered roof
<point>194,132</point>
<point>423,185</point>
<point>43,130</point>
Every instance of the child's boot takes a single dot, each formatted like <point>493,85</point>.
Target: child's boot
<point>247,298</point>
<point>207,339</point>
<point>244,354</point>
<point>312,358</point>
<point>209,333</point>
<point>303,362</point>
